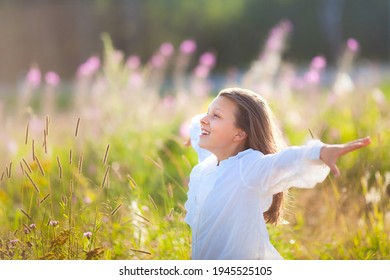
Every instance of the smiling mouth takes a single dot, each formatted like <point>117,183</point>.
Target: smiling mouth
<point>205,132</point>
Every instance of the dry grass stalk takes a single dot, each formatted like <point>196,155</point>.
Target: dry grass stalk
<point>33,149</point>
<point>26,227</point>
<point>27,215</point>
<point>143,218</point>
<point>77,127</point>
<point>113,212</point>
<point>26,140</point>
<point>105,155</point>
<point>32,182</point>
<point>44,199</point>
<point>80,163</point>
<point>64,199</point>
<point>170,215</point>
<point>59,166</point>
<point>10,170</point>
<point>40,166</point>
<point>311,133</point>
<point>70,157</point>
<point>21,167</point>
<point>71,186</point>
<point>28,167</point>
<point>47,121</point>
<point>152,201</point>
<point>105,176</point>
<point>140,251</point>
<point>170,190</point>
<point>157,164</point>
<point>7,171</point>
<point>45,140</point>
<point>133,184</point>
<point>2,176</point>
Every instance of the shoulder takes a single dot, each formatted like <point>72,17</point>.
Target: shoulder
<point>205,165</point>
<point>250,155</point>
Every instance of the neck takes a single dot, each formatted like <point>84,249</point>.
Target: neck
<point>227,153</point>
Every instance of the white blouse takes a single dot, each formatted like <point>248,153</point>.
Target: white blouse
<point>226,202</point>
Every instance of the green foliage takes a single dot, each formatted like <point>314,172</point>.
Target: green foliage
<point>115,186</point>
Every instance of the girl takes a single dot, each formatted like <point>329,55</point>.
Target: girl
<point>239,187</point>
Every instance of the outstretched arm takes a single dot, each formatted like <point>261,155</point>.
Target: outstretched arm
<point>330,153</point>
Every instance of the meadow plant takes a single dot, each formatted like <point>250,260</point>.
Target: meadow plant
<point>106,177</point>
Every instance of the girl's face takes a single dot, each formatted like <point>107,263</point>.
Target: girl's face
<point>220,135</point>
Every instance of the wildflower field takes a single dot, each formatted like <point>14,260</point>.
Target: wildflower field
<point>97,167</point>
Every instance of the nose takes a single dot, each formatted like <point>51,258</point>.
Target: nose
<point>204,120</point>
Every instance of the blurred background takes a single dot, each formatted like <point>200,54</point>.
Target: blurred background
<point>97,99</point>
<point>61,34</point>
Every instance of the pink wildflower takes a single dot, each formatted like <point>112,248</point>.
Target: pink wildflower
<point>14,241</point>
<point>157,61</point>
<point>312,77</point>
<point>133,62</point>
<point>166,49</point>
<point>352,44</point>
<point>33,77</point>
<point>318,62</point>
<point>188,46</point>
<point>53,223</point>
<point>89,67</point>
<point>207,59</point>
<point>202,71</point>
<point>52,78</point>
<point>87,234</point>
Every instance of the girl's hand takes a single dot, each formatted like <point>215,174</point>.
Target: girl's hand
<point>330,153</point>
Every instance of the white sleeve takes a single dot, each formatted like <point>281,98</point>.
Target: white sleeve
<point>298,166</point>
<point>195,131</point>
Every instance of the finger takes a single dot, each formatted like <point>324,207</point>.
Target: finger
<point>354,145</point>
<point>362,141</point>
<point>334,169</point>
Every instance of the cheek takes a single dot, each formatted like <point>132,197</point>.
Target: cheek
<point>227,132</point>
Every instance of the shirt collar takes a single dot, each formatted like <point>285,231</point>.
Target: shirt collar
<point>234,158</point>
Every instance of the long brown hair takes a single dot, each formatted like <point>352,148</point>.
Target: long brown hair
<point>256,118</point>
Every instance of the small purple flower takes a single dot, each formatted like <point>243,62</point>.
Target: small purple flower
<point>166,49</point>
<point>188,46</point>
<point>87,234</point>
<point>202,71</point>
<point>133,62</point>
<point>352,44</point>
<point>33,77</point>
<point>26,230</point>
<point>33,226</point>
<point>207,59</point>
<point>318,62</point>
<point>89,67</point>
<point>312,77</point>
<point>53,223</point>
<point>157,60</point>
<point>14,241</point>
<point>52,78</point>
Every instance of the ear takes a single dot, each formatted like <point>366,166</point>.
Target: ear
<point>240,135</point>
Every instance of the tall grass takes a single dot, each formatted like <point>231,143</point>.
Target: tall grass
<point>98,169</point>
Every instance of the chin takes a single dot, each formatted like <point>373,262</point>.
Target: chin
<point>202,145</point>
